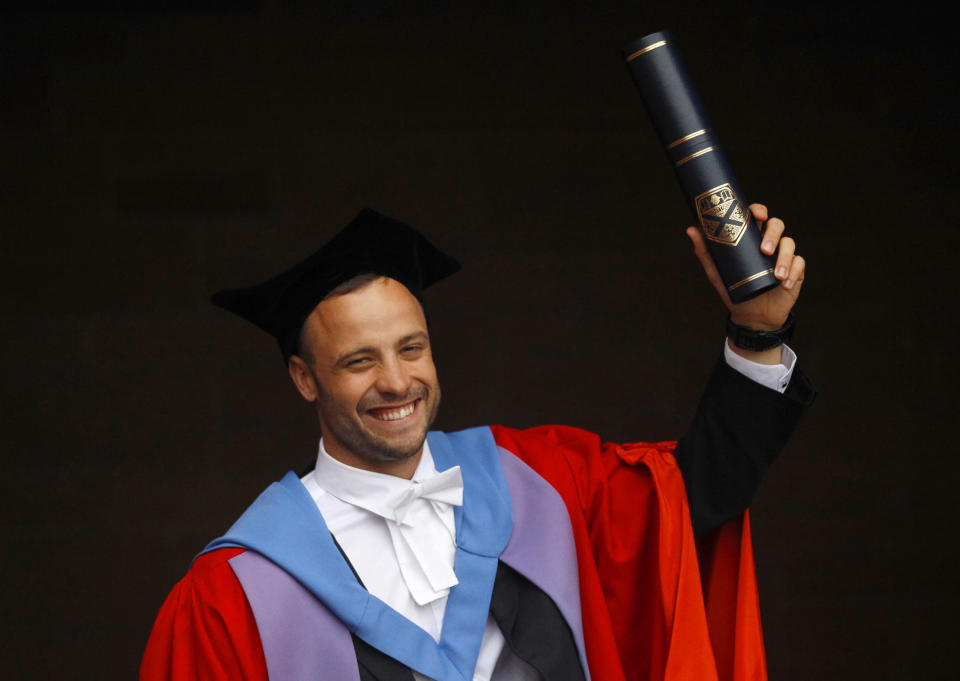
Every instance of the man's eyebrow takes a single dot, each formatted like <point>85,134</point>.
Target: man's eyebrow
<point>368,349</point>
<point>416,335</point>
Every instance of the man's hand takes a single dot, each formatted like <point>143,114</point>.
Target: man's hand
<point>769,310</point>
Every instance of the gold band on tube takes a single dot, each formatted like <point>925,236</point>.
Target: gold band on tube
<point>693,156</point>
<point>749,279</point>
<point>686,138</point>
<point>646,49</point>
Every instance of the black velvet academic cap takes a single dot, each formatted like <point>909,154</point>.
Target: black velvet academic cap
<point>371,243</point>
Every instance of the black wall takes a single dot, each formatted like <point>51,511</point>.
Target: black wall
<point>152,156</point>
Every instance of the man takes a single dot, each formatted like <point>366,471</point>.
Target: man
<point>488,554</point>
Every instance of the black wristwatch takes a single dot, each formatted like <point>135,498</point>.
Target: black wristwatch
<point>746,338</point>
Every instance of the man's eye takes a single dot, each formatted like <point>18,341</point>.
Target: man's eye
<point>358,361</point>
<point>412,349</point>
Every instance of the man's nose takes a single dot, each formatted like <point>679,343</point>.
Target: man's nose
<point>394,378</point>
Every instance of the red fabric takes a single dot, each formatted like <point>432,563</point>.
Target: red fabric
<point>645,614</point>
<point>733,607</point>
<point>205,630</point>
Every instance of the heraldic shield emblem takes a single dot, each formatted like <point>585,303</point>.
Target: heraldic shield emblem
<point>723,217</point>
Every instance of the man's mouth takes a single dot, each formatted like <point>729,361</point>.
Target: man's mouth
<point>393,413</point>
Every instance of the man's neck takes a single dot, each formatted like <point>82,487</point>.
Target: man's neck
<point>401,468</point>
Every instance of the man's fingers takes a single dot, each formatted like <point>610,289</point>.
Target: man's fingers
<point>771,307</point>
<point>703,255</point>
<point>759,212</point>
<point>700,249</point>
<point>798,269</point>
<point>772,232</point>
<point>785,258</point>
<point>697,239</point>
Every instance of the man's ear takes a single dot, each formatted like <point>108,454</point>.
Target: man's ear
<point>302,378</point>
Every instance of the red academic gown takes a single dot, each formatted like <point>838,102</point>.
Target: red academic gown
<point>656,603</point>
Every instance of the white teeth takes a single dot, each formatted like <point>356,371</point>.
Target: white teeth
<point>395,414</point>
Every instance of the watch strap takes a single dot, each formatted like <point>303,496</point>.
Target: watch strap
<point>756,340</point>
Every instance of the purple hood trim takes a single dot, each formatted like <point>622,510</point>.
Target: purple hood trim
<point>301,638</point>
<point>542,547</point>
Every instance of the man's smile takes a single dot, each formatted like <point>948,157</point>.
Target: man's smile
<point>394,413</point>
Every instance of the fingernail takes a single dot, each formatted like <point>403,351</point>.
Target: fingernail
<point>768,247</point>
<point>788,283</point>
<point>781,272</point>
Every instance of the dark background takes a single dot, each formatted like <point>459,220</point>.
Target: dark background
<point>152,156</point>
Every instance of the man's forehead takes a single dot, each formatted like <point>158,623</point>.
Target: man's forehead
<point>381,310</point>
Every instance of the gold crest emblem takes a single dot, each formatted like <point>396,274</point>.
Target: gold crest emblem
<point>723,218</point>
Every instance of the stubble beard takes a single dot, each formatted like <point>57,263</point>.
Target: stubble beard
<point>349,431</point>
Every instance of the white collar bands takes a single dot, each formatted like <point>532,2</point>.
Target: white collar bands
<point>417,512</point>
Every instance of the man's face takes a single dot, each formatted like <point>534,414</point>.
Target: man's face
<point>373,378</point>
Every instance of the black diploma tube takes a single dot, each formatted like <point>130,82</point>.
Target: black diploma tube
<point>674,107</point>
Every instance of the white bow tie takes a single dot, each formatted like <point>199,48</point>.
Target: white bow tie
<point>418,515</point>
<point>416,528</point>
<point>445,487</point>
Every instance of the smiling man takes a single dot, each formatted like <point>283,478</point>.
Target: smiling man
<point>489,554</point>
<point>366,365</point>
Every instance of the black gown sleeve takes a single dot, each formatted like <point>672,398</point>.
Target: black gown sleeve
<point>738,430</point>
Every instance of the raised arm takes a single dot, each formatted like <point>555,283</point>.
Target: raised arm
<point>740,425</point>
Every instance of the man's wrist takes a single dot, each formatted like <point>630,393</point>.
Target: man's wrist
<point>759,340</point>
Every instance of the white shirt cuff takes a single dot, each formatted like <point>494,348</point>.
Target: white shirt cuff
<point>773,376</point>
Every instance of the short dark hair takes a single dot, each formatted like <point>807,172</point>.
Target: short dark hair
<point>352,284</point>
